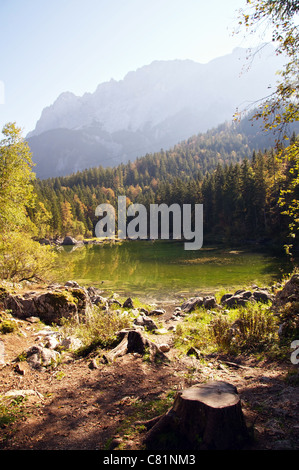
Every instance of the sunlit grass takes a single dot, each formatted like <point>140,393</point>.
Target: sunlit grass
<point>244,330</point>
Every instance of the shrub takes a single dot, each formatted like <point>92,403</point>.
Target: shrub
<point>253,329</point>
<point>8,326</point>
<point>100,329</point>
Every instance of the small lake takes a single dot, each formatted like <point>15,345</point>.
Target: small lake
<point>163,270</point>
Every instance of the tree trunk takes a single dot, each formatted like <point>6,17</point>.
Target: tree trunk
<point>205,416</point>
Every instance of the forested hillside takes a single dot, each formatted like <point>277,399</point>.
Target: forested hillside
<point>231,172</point>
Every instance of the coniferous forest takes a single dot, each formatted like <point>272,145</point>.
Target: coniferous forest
<point>238,180</point>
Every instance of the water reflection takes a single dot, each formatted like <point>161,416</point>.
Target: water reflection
<point>162,269</point>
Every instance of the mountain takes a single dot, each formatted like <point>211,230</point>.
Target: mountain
<point>153,107</point>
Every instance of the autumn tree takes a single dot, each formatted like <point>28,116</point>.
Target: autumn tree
<point>20,256</point>
<point>281,107</point>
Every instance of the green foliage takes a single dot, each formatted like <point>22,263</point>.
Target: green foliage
<point>281,108</point>
<point>11,410</point>
<point>20,256</point>
<point>281,17</point>
<point>240,194</point>
<point>289,193</point>
<point>195,332</point>
<point>16,176</point>
<point>8,326</point>
<point>253,329</point>
<point>245,330</point>
<point>99,330</point>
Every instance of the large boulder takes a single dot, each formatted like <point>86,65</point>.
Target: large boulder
<point>70,241</point>
<point>289,292</point>
<point>51,306</point>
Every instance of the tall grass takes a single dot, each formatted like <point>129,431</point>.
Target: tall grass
<point>248,329</point>
<point>100,329</point>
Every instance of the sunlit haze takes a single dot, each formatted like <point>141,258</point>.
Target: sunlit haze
<point>71,45</point>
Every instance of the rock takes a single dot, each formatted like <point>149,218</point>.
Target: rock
<point>135,312</point>
<point>128,303</point>
<point>146,322</point>
<point>161,331</point>
<point>209,302</point>
<point>247,294</point>
<point>193,352</point>
<point>70,241</point>
<point>289,293</point>
<point>190,304</point>
<point>143,310</point>
<point>19,368</point>
<point>164,347</point>
<point>32,319</point>
<point>225,297</point>
<point>72,284</point>
<point>51,306</point>
<point>235,301</point>
<point>157,311</point>
<point>262,296</point>
<point>52,342</point>
<point>71,343</point>
<point>241,297</point>
<point>23,393</point>
<point>93,364</point>
<point>38,357</point>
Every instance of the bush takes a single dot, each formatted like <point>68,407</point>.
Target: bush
<point>244,330</point>
<point>22,258</point>
<point>100,329</point>
<point>253,328</point>
<point>8,326</point>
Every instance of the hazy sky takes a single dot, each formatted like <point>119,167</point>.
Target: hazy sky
<point>52,46</point>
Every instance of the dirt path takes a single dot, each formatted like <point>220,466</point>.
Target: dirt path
<point>78,407</point>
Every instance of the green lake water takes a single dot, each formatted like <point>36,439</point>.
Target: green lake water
<point>164,270</point>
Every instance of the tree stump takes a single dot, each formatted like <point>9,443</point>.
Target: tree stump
<point>205,416</point>
<point>132,341</point>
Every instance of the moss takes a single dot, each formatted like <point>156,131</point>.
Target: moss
<point>60,299</point>
<point>78,295</point>
<point>8,326</point>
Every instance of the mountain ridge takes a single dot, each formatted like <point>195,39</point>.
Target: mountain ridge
<point>154,107</point>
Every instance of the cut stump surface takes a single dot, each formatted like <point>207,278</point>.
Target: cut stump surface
<point>205,416</point>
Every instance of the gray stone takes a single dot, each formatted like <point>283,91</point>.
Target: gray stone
<point>191,304</point>
<point>71,343</point>
<point>128,303</point>
<point>51,306</point>
<point>72,284</point>
<point>209,302</point>
<point>235,301</point>
<point>38,357</point>
<point>164,347</point>
<point>262,296</point>
<point>146,322</point>
<point>23,393</point>
<point>157,311</point>
<point>70,241</point>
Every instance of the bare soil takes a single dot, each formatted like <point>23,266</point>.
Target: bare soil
<point>80,408</point>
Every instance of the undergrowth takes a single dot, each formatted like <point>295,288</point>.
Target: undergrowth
<point>99,330</point>
<point>242,330</point>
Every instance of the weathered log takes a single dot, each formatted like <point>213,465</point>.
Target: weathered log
<point>205,416</point>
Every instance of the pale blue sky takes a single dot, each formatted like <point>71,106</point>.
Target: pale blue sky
<point>52,46</point>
